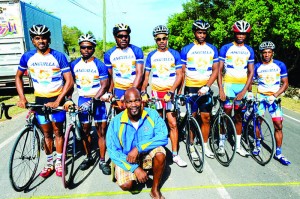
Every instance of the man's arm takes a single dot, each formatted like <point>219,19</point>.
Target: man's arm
<point>139,75</point>
<point>182,79</point>
<point>104,87</point>
<point>111,81</point>
<point>250,74</point>
<point>214,75</point>
<point>178,80</point>
<point>283,87</point>
<point>220,81</point>
<point>145,82</point>
<point>20,89</point>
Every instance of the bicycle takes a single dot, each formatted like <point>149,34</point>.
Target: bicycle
<point>258,138</point>
<point>25,153</point>
<point>223,134</point>
<point>72,135</point>
<point>189,125</point>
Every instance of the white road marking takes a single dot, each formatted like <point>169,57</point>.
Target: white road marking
<point>215,180</point>
<point>291,118</point>
<point>3,144</point>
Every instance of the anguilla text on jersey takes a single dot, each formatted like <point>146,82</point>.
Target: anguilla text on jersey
<point>86,70</point>
<point>239,52</point>
<point>43,64</point>
<point>201,52</point>
<point>163,59</point>
<point>124,57</point>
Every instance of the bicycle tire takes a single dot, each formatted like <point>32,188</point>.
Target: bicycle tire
<point>68,155</point>
<point>25,156</point>
<point>228,128</point>
<point>267,141</point>
<point>197,147</point>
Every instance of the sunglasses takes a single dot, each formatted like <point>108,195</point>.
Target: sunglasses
<point>88,47</point>
<point>159,39</point>
<point>122,36</point>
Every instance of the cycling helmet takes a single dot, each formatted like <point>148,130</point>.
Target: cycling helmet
<point>121,27</point>
<point>161,29</point>
<point>87,37</point>
<point>266,45</point>
<point>200,25</point>
<point>39,30</point>
<point>241,27</point>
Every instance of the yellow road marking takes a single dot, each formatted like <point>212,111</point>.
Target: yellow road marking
<point>113,193</point>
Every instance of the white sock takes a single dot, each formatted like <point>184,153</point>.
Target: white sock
<point>238,141</point>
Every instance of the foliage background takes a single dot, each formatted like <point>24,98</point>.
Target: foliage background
<point>277,21</point>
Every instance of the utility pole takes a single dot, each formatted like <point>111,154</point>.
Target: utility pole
<point>104,26</point>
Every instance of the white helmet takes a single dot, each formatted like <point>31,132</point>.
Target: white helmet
<point>200,25</point>
<point>39,30</point>
<point>266,45</point>
<point>241,27</point>
<point>87,37</point>
<point>161,29</point>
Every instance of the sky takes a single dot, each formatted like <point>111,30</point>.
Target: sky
<point>141,15</point>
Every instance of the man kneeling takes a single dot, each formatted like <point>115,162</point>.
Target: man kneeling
<point>135,140</point>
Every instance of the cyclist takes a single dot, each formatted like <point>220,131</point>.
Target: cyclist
<point>135,141</point>
<point>237,60</point>
<point>166,77</point>
<point>272,82</point>
<point>124,62</point>
<point>91,78</point>
<point>52,80</point>
<point>200,68</point>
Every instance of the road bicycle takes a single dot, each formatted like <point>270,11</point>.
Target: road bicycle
<point>223,134</point>
<point>25,154</point>
<point>258,138</point>
<point>189,130</point>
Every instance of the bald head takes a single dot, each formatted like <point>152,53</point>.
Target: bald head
<point>131,91</point>
<point>133,103</point>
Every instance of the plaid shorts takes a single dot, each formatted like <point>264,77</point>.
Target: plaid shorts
<point>123,176</point>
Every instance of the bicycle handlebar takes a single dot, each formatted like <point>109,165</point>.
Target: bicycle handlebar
<point>4,109</point>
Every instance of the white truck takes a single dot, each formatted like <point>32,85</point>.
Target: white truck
<point>16,17</point>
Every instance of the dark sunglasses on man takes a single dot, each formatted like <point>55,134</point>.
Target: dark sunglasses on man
<point>88,47</point>
<point>159,39</point>
<point>122,36</point>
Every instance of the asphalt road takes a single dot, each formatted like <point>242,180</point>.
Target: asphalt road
<point>244,178</point>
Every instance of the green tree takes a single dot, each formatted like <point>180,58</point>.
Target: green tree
<point>277,21</point>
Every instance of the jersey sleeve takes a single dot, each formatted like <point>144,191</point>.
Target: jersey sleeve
<point>103,72</point>
<point>107,61</point>
<point>222,54</point>
<point>148,61</point>
<point>183,55</point>
<point>216,54</point>
<point>178,62</point>
<point>283,70</point>
<point>23,63</point>
<point>139,55</point>
<point>252,56</point>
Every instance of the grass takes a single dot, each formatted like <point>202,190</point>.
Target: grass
<point>13,100</point>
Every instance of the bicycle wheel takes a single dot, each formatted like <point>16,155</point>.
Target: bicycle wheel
<point>24,159</point>
<point>68,155</point>
<point>194,147</point>
<point>265,136</point>
<point>223,139</point>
